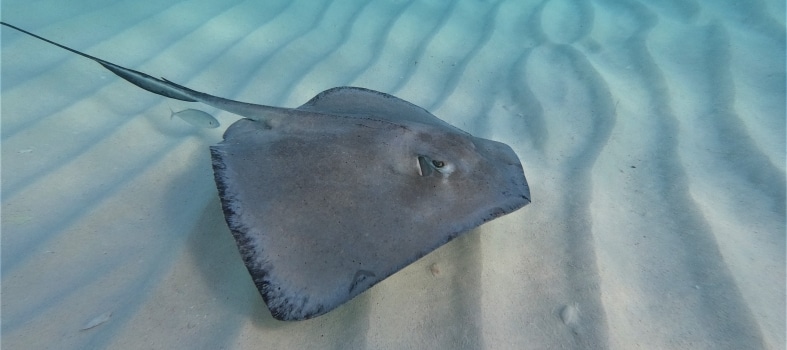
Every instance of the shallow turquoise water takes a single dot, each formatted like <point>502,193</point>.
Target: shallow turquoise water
<point>652,134</point>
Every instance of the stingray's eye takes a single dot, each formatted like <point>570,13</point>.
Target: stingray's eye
<point>428,166</point>
<point>442,167</point>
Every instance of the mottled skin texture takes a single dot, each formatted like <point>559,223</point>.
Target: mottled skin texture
<point>324,206</point>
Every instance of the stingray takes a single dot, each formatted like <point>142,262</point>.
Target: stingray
<point>327,199</point>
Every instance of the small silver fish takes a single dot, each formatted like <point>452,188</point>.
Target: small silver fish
<point>197,118</point>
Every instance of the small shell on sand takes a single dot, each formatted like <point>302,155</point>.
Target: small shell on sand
<point>570,314</point>
<point>97,321</point>
<point>434,269</point>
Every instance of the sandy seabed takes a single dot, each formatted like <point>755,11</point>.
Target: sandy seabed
<point>652,134</point>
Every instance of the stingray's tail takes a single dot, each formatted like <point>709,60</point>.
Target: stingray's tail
<point>164,87</point>
<point>158,86</point>
<point>154,85</point>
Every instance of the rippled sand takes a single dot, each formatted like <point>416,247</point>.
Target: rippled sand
<point>652,134</point>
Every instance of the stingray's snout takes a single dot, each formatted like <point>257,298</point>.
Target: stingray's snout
<point>509,168</point>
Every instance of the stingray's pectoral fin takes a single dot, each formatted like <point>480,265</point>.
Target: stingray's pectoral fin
<point>161,86</point>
